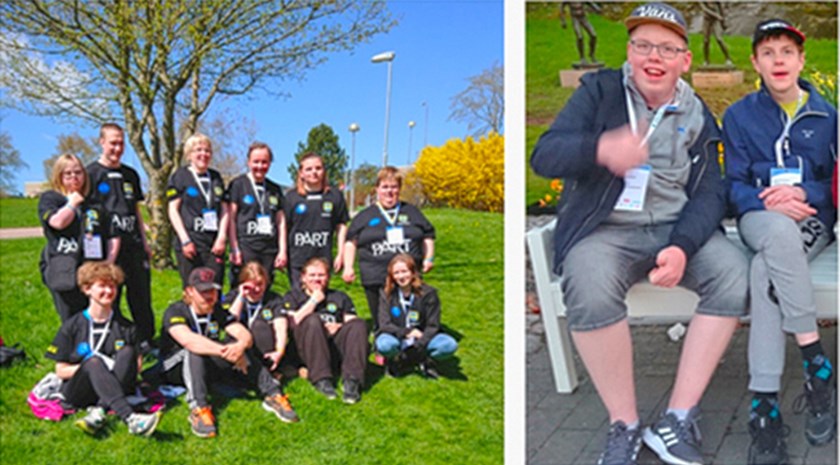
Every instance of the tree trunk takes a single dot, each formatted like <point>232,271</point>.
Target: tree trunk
<point>160,234</point>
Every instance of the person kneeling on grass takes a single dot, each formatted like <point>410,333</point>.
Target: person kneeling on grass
<point>261,310</point>
<point>195,352</point>
<point>409,321</point>
<point>96,355</point>
<point>324,319</point>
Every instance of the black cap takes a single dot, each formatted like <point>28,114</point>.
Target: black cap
<point>775,27</point>
<point>657,13</point>
<point>203,279</point>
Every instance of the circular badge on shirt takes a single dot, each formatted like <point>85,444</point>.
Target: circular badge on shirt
<point>248,199</point>
<point>301,208</point>
<point>374,221</point>
<point>83,349</point>
<point>192,191</point>
<point>331,307</point>
<point>395,311</point>
<point>218,191</point>
<point>103,187</point>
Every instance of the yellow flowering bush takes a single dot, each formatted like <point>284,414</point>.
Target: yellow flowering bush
<point>465,173</point>
<point>826,85</point>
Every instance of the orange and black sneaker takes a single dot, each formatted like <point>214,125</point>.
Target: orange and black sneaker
<point>202,422</point>
<point>279,405</point>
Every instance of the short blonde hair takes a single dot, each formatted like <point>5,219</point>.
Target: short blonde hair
<point>389,173</point>
<point>61,163</point>
<point>91,272</point>
<point>194,140</point>
<point>253,271</point>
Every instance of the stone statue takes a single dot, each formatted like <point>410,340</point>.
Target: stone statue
<point>714,22</point>
<point>577,11</point>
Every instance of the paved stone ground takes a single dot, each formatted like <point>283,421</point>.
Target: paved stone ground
<point>570,429</point>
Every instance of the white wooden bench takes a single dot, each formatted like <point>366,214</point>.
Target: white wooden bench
<point>647,304</point>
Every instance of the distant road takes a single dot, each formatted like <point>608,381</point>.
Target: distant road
<point>19,233</point>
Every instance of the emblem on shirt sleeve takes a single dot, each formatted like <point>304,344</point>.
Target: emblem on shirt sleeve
<point>128,188</point>
<point>52,349</point>
<point>273,200</point>
<point>171,193</point>
<point>218,191</point>
<point>177,320</point>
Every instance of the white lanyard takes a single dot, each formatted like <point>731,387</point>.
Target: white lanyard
<point>654,123</point>
<point>406,304</point>
<point>388,218</point>
<point>783,142</point>
<point>199,321</point>
<point>207,194</point>
<point>252,316</point>
<point>260,200</point>
<point>103,333</point>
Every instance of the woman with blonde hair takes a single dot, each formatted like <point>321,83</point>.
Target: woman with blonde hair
<point>73,233</point>
<point>315,214</point>
<point>198,211</point>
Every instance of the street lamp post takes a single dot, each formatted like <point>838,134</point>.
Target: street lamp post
<point>383,58</point>
<point>426,125</point>
<point>410,132</point>
<point>354,128</point>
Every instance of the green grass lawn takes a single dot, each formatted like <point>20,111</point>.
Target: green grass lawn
<point>18,213</point>
<point>550,48</point>
<point>411,420</point>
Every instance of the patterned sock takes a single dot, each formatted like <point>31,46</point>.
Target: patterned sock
<point>764,404</point>
<point>815,362</point>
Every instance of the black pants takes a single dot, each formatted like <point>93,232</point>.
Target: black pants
<point>264,257</point>
<point>135,264</point>
<point>69,303</point>
<point>372,296</point>
<point>315,346</point>
<point>94,384</point>
<point>195,372</point>
<point>201,258</point>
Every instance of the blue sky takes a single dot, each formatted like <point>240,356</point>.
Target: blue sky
<point>439,44</point>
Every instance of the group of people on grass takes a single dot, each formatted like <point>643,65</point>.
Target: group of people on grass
<point>644,198</point>
<point>96,243</point>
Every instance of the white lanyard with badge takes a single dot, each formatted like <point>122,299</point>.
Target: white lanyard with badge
<point>96,345</point>
<point>203,320</point>
<point>411,316</point>
<point>91,243</point>
<point>263,220</point>
<point>211,219</point>
<point>780,175</point>
<point>632,198</point>
<point>253,310</point>
<point>393,233</point>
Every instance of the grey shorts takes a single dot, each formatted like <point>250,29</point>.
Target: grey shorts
<point>600,269</point>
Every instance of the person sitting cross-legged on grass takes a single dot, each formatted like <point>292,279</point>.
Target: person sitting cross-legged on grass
<point>409,321</point>
<point>96,355</point>
<point>195,353</point>
<point>324,321</point>
<point>781,144</point>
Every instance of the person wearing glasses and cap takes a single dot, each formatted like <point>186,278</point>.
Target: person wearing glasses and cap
<point>643,192</point>
<point>781,146</point>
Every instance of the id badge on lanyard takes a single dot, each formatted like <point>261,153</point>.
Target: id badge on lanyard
<point>92,246</point>
<point>263,224</point>
<point>395,235</point>
<point>211,219</point>
<point>632,198</point>
<point>785,176</point>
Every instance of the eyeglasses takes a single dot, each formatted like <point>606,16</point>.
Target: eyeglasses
<point>667,50</point>
<point>72,173</point>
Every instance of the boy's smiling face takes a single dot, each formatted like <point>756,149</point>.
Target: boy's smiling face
<point>101,291</point>
<point>779,61</point>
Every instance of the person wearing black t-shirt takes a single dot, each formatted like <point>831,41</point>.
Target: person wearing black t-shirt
<point>382,231</point>
<point>257,221</point>
<point>198,211</point>
<point>324,320</point>
<point>202,343</point>
<point>314,212</point>
<point>261,311</point>
<point>96,355</point>
<point>116,193</point>
<point>63,213</point>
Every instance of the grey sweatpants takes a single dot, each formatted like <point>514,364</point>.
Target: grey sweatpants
<point>783,249</point>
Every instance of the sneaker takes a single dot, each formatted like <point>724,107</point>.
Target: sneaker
<point>279,405</point>
<point>93,421</point>
<point>352,391</point>
<point>768,441</point>
<point>203,422</point>
<point>428,369</point>
<point>622,445</point>
<point>325,387</point>
<point>143,424</point>
<point>819,398</point>
<point>676,442</point>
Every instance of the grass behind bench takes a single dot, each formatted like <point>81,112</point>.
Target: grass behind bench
<point>399,421</point>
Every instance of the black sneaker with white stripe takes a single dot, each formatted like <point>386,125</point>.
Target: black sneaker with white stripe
<point>622,445</point>
<point>676,442</point>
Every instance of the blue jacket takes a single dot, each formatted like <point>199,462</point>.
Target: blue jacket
<point>750,129</point>
<point>568,149</point>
